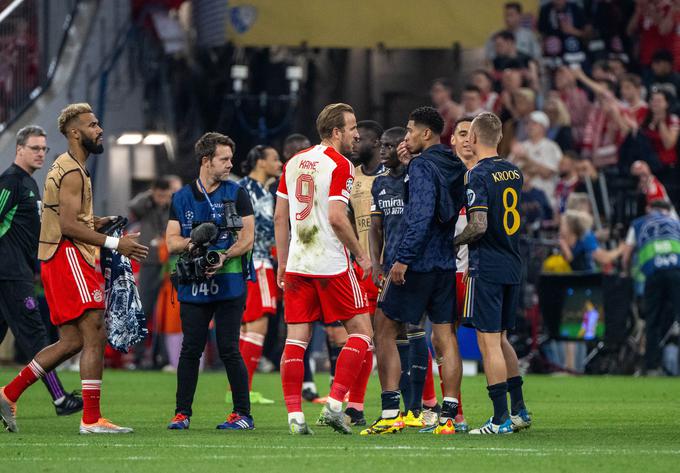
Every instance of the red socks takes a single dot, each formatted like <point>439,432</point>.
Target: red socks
<point>429,395</point>
<point>293,373</point>
<point>251,350</point>
<point>91,395</point>
<point>358,390</point>
<point>352,355</point>
<point>29,375</point>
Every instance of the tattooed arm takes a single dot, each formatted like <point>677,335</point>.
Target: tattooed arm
<point>474,230</point>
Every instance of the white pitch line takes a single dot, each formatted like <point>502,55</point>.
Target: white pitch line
<point>368,448</point>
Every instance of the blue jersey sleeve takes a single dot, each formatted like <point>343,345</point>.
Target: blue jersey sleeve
<point>419,211</point>
<point>476,192</point>
<point>375,207</point>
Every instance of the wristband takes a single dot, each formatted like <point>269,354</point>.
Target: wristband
<point>111,243</point>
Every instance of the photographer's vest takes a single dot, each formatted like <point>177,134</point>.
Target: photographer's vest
<point>50,230</point>
<point>192,208</point>
<point>658,243</point>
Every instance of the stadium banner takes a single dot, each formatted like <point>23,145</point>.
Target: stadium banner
<point>423,24</point>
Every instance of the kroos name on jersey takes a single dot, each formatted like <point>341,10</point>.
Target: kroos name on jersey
<point>505,175</point>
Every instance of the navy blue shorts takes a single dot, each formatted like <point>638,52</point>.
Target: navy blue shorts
<point>434,293</point>
<point>489,306</point>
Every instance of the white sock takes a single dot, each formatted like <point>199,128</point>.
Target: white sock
<point>389,413</point>
<point>334,405</point>
<point>298,417</point>
<point>309,385</point>
<point>59,401</point>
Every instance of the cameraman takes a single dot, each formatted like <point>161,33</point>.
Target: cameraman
<point>655,240</point>
<point>221,290</point>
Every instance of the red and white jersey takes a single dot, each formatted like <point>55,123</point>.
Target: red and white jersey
<point>462,256</point>
<point>310,180</point>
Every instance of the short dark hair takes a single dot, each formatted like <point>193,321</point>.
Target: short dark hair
<point>26,132</point>
<point>485,73</point>
<point>207,144</point>
<point>396,131</point>
<point>633,79</point>
<point>428,117</point>
<point>573,155</point>
<point>472,88</point>
<point>514,6</point>
<point>371,125</point>
<point>161,183</point>
<point>662,55</point>
<point>294,137</point>
<point>467,118</point>
<point>506,35</point>
<point>254,155</point>
<point>443,81</point>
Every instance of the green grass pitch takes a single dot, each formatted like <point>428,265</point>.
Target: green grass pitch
<point>581,424</point>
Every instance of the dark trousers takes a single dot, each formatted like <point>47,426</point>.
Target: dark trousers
<point>195,321</point>
<point>150,279</point>
<point>19,312</point>
<point>662,307</point>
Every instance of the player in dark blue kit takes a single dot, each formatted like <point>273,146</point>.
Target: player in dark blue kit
<point>422,277</point>
<point>385,235</point>
<point>493,188</point>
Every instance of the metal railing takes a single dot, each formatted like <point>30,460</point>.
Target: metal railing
<point>32,34</point>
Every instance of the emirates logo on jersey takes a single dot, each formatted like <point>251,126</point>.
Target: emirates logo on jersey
<point>349,184</point>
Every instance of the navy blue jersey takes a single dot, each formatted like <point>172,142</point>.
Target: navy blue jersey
<point>388,203</point>
<point>495,186</point>
<point>263,208</point>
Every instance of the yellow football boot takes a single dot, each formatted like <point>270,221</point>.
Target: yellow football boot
<point>385,426</point>
<point>410,420</point>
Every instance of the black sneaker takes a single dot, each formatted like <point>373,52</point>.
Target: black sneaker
<point>309,395</point>
<point>71,404</point>
<point>355,416</point>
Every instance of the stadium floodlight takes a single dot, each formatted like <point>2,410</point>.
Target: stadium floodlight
<point>130,139</point>
<point>155,139</point>
<point>294,74</point>
<point>239,73</point>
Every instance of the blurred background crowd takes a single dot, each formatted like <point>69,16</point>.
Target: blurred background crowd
<point>587,92</point>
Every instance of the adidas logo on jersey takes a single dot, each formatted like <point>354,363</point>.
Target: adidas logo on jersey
<point>382,192</point>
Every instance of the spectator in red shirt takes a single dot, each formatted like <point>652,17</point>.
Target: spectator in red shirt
<point>631,93</point>
<point>484,82</point>
<point>608,123</point>
<point>441,94</point>
<point>576,100</point>
<point>653,21</point>
<point>662,127</point>
<point>649,185</point>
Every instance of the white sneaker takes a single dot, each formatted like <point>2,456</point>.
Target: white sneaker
<point>430,417</point>
<point>521,421</point>
<point>103,426</point>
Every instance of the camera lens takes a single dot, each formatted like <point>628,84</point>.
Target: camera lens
<point>212,257</point>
